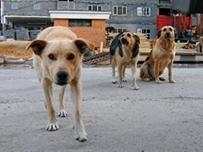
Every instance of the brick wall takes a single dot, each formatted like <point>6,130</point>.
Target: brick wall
<point>95,33</point>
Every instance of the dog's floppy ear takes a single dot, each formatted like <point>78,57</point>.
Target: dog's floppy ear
<point>159,33</point>
<point>175,32</point>
<point>137,38</point>
<point>83,45</point>
<point>37,46</point>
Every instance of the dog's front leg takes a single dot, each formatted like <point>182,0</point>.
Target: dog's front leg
<point>62,112</point>
<point>76,96</point>
<point>123,73</point>
<point>120,72</point>
<point>133,69</point>
<point>156,71</point>
<point>113,65</point>
<point>170,72</point>
<point>52,121</point>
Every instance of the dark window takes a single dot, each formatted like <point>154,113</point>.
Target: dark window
<point>120,10</point>
<point>80,23</point>
<point>163,11</point>
<point>164,1</point>
<point>94,8</point>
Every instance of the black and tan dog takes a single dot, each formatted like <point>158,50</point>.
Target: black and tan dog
<point>124,51</point>
<point>161,56</point>
<point>58,59</point>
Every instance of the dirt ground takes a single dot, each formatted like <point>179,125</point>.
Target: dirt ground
<point>157,118</point>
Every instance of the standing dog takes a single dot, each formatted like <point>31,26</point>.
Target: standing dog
<point>161,56</point>
<point>58,59</point>
<point>124,51</point>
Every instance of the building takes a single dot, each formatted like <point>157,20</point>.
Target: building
<point>138,16</point>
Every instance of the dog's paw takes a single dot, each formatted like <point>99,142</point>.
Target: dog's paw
<point>114,81</point>
<point>62,113</point>
<point>121,85</point>
<point>136,87</point>
<point>124,80</point>
<point>172,81</point>
<point>80,134</point>
<point>162,79</point>
<point>158,82</point>
<point>52,127</point>
<point>146,79</point>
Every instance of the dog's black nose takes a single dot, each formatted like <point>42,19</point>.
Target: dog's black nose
<point>167,35</point>
<point>62,77</point>
<point>124,41</point>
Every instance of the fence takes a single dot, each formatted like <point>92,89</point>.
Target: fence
<point>20,34</point>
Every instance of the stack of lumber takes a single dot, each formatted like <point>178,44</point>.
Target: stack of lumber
<point>144,42</point>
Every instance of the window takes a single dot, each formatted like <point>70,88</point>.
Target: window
<point>120,10</point>
<point>37,6</point>
<point>94,8</point>
<point>119,30</point>
<point>80,23</point>
<point>144,31</point>
<point>143,11</point>
<point>14,6</point>
<point>164,1</point>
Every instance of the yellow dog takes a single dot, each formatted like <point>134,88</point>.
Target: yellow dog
<point>58,59</point>
<point>161,56</point>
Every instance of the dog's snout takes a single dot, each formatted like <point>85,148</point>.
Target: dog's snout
<point>124,41</point>
<point>62,77</point>
<point>168,35</point>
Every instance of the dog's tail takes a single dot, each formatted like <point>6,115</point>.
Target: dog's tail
<point>148,57</point>
<point>114,44</point>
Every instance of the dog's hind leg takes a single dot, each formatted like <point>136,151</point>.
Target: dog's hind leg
<point>144,72</point>
<point>123,73</point>
<point>133,69</point>
<point>62,112</point>
<point>113,66</point>
<point>120,74</point>
<point>52,121</point>
<point>76,96</point>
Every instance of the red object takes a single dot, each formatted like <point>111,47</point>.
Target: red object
<point>163,20</point>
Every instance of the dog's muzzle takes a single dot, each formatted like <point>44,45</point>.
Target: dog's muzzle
<point>124,41</point>
<point>168,35</point>
<point>62,78</point>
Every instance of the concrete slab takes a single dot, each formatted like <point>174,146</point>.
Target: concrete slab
<point>157,118</point>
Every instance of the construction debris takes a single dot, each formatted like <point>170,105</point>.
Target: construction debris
<point>91,60</point>
<point>199,45</point>
<point>188,46</point>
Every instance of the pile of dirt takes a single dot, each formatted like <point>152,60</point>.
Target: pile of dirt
<point>16,54</point>
<point>15,49</point>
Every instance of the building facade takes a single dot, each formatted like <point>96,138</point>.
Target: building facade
<point>138,16</point>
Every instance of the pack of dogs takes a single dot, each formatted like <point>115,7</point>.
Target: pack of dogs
<point>57,59</point>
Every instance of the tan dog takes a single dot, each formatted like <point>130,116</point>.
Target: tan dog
<point>58,59</point>
<point>161,56</point>
<point>124,51</point>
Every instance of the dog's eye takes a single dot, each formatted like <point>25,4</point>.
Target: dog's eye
<point>129,35</point>
<point>70,56</point>
<point>170,29</point>
<point>164,29</point>
<point>51,57</point>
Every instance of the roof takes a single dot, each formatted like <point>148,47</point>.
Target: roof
<point>188,6</point>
